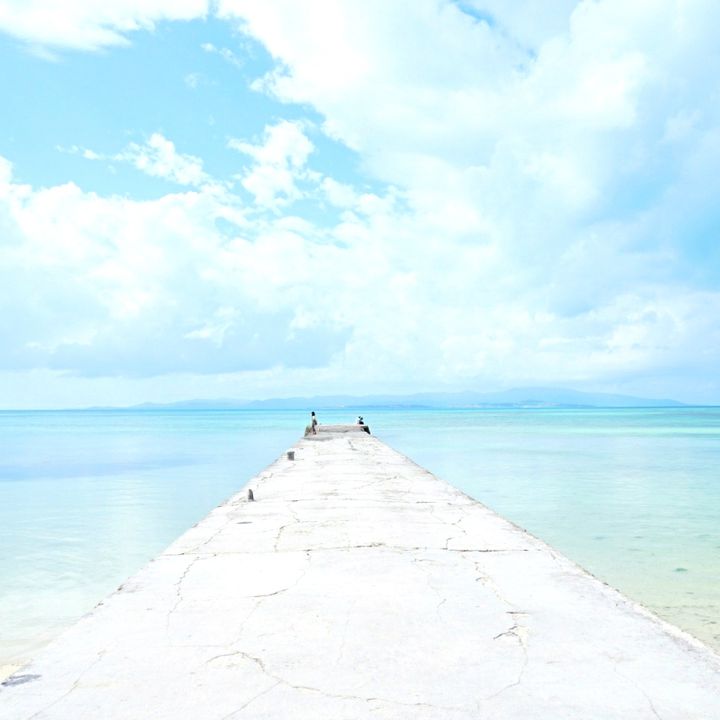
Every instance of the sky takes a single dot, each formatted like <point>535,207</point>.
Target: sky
<point>238,199</point>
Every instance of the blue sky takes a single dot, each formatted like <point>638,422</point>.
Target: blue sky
<point>241,199</point>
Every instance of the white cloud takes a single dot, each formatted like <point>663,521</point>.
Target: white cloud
<point>339,194</point>
<point>157,157</point>
<point>83,25</point>
<point>285,144</point>
<point>450,93</point>
<point>132,288</point>
<point>529,22</point>
<point>148,288</point>
<point>280,161</point>
<point>537,156</point>
<point>551,214</point>
<point>193,80</point>
<point>225,53</point>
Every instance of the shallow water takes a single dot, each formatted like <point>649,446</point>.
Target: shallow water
<point>86,498</point>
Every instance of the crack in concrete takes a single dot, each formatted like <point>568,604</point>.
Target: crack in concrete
<point>73,687</point>
<point>519,632</point>
<point>640,689</point>
<point>250,701</point>
<point>341,650</point>
<point>439,605</point>
<point>178,590</point>
<point>362,546</point>
<point>259,601</point>
<point>516,630</point>
<point>295,521</point>
<point>337,696</point>
<point>489,583</point>
<point>457,525</point>
<point>428,577</point>
<point>409,548</point>
<point>299,579</point>
<point>196,550</point>
<point>388,701</point>
<point>505,633</point>
<point>512,684</point>
<point>281,530</point>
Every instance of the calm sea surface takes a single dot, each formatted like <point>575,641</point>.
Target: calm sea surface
<point>86,498</point>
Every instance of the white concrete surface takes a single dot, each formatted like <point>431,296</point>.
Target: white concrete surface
<point>358,585</point>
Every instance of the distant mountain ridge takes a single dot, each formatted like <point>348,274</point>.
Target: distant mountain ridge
<point>517,397</point>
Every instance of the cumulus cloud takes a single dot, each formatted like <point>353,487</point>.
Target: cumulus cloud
<point>193,80</point>
<point>225,53</point>
<point>548,158</point>
<point>549,212</point>
<point>528,22</point>
<point>110,286</point>
<point>280,161</point>
<point>128,288</point>
<point>454,99</point>
<point>157,157</point>
<point>82,25</point>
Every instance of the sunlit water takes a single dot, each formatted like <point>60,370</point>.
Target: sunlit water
<point>86,498</point>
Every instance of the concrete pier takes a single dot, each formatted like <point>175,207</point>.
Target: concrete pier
<point>358,585</point>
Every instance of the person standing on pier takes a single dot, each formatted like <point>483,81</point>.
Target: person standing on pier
<point>313,423</point>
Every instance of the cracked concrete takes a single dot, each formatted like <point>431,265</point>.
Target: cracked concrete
<point>359,585</point>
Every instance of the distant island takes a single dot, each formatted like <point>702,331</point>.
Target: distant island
<point>515,398</point>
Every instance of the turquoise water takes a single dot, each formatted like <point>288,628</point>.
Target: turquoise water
<point>86,498</point>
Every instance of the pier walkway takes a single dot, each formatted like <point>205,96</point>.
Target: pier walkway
<point>358,585</point>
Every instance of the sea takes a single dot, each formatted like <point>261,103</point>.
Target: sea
<point>88,497</point>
